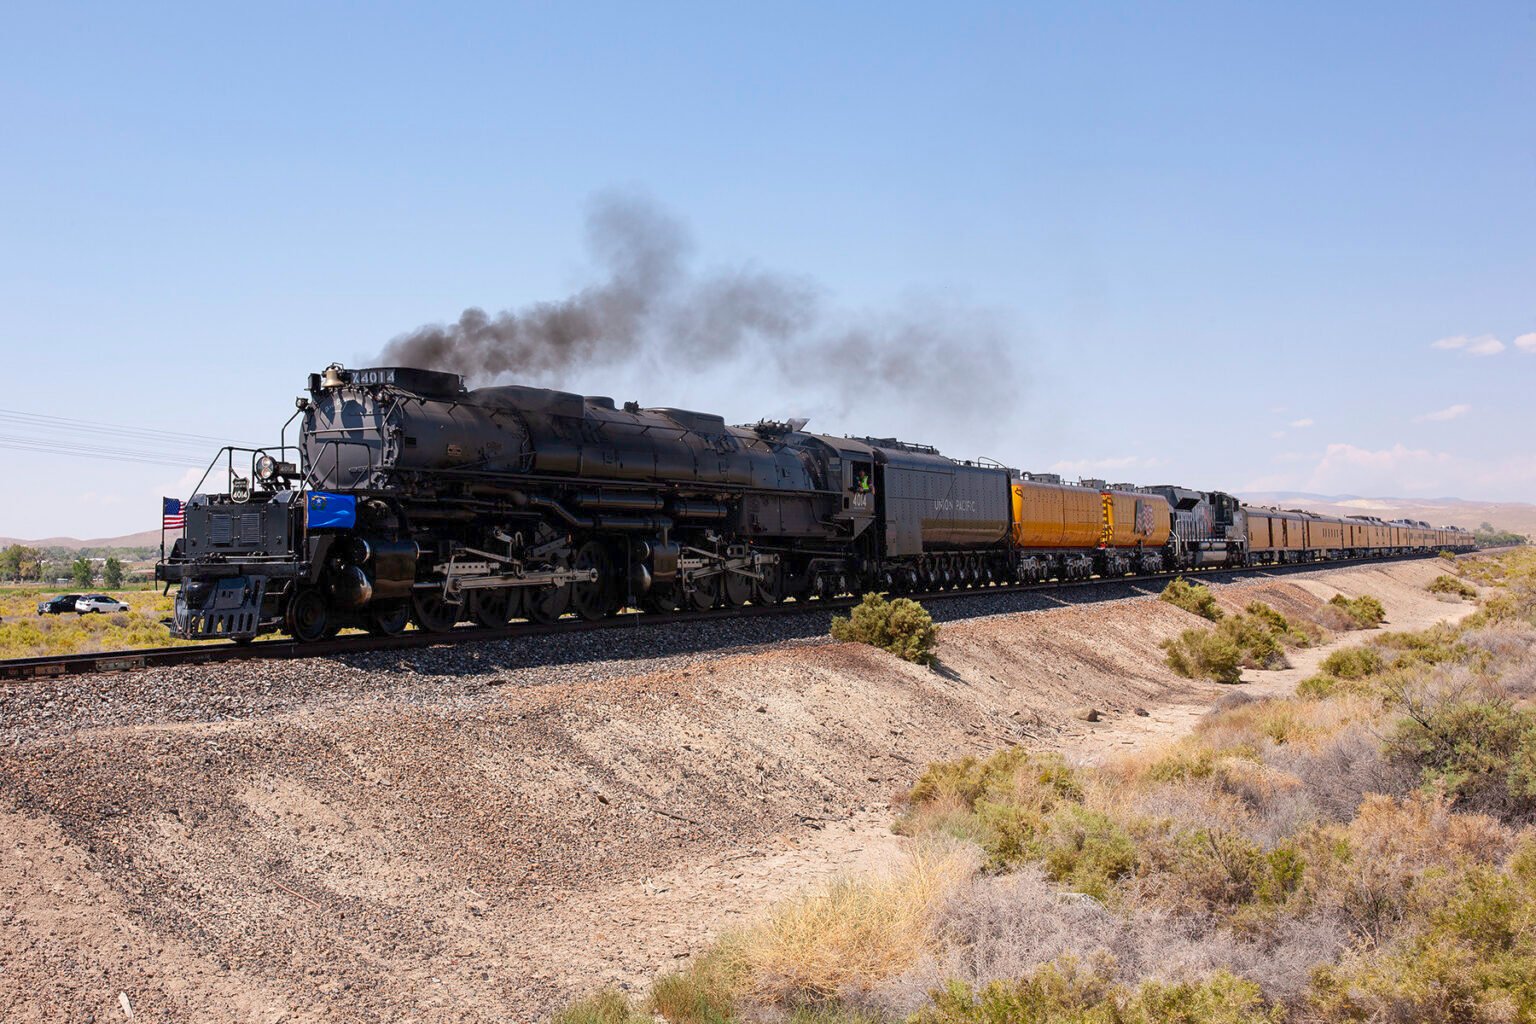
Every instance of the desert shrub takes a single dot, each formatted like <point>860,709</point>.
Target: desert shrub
<point>1443,584</point>
<point>1352,663</point>
<point>1085,850</point>
<point>1221,654</point>
<point>1434,646</point>
<point>702,994</point>
<point>1205,654</point>
<point>846,937</point>
<point>1070,992</point>
<point>967,779</point>
<point>606,1007</point>
<point>1192,597</point>
<point>1474,960</point>
<point>902,627</point>
<point>1363,612</point>
<point>1481,750</point>
<point>1291,633</point>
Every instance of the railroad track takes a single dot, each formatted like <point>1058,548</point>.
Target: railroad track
<point>214,652</point>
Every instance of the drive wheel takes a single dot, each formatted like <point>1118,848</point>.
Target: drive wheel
<point>389,619</point>
<point>548,603</point>
<point>308,619</point>
<point>737,589</point>
<point>662,598</point>
<point>769,589</point>
<point>491,608</point>
<point>432,613</point>
<point>594,599</point>
<point>705,593</point>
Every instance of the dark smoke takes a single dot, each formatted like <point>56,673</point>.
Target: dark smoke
<point>954,363</point>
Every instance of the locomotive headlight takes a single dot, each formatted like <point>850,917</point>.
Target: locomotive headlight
<point>266,469</point>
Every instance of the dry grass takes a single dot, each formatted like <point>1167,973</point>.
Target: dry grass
<point>851,935</point>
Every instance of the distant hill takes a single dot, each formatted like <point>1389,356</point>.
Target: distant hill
<point>1517,516</point>
<point>147,539</point>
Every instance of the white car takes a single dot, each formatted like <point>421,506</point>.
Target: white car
<point>99,603</point>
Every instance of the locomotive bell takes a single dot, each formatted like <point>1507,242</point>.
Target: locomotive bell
<point>332,377</point>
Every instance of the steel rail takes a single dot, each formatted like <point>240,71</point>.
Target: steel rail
<point>54,666</point>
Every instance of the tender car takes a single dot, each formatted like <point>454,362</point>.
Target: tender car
<point>99,603</point>
<point>58,605</point>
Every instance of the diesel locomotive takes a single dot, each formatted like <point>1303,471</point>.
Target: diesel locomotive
<point>409,498</point>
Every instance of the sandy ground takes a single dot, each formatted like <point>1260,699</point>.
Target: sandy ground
<point>490,856</point>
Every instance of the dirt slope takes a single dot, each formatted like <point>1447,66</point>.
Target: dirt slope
<point>485,855</point>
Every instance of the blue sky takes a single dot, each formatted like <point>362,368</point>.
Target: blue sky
<point>1217,243</point>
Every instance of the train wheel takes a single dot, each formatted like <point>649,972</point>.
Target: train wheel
<point>705,593</point>
<point>736,589</point>
<point>432,612</point>
<point>308,619</point>
<point>769,589</point>
<point>548,603</point>
<point>662,598</point>
<point>593,599</point>
<point>491,608</point>
<point>388,619</point>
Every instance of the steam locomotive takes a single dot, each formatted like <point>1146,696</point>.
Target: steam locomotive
<point>410,498</point>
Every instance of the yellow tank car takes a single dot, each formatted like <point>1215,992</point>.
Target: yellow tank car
<point>1055,516</point>
<point>1135,520</point>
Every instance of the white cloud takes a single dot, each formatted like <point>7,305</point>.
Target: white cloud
<point>1302,423</point>
<point>1526,342</point>
<point>1277,434</point>
<point>1481,345</point>
<point>1450,412</point>
<point>1385,472</point>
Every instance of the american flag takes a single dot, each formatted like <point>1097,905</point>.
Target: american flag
<point>172,515</point>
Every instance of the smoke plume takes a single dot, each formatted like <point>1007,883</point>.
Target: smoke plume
<point>954,363</point>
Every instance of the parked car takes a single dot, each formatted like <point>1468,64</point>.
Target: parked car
<point>58,605</point>
<point>99,603</point>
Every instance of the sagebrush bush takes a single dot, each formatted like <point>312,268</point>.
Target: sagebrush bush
<point>1192,597</point>
<point>1290,632</point>
<point>1481,749</point>
<point>1363,612</point>
<point>1070,992</point>
<point>606,1007</point>
<point>1443,584</point>
<point>1222,653</point>
<point>1353,663</point>
<point>902,627</point>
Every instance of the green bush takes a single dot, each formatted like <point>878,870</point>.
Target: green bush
<point>902,627</point>
<point>1475,961</point>
<point>967,779</point>
<point>1353,663</point>
<point>1291,634</point>
<point>1222,653</point>
<point>1205,654</point>
<point>1085,850</point>
<point>1192,597</point>
<point>606,1007</point>
<point>1482,751</point>
<point>1365,612</point>
<point>1443,584</point>
<point>1067,992</point>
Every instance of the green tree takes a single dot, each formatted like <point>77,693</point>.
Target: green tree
<point>10,563</point>
<point>112,572</point>
<point>83,571</point>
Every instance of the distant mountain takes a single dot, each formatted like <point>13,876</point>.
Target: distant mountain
<point>1517,516</point>
<point>147,539</point>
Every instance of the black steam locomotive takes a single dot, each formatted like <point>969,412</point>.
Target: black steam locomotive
<point>409,498</point>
